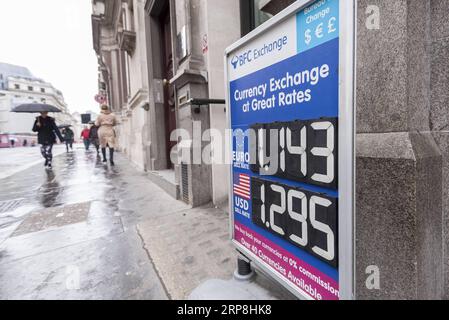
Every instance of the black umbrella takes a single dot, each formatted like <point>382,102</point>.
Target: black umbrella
<point>63,126</point>
<point>34,108</point>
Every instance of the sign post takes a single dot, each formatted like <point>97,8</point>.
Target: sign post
<point>291,109</point>
<point>86,118</point>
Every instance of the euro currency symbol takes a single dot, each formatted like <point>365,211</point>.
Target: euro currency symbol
<point>239,141</point>
<point>319,31</point>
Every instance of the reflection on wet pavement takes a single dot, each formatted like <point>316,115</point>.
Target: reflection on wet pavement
<point>77,220</point>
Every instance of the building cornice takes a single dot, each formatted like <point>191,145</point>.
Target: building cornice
<point>107,20</point>
<point>96,32</point>
<point>127,41</point>
<point>139,99</point>
<point>185,76</point>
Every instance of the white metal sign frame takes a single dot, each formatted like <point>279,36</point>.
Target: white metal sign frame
<point>346,154</point>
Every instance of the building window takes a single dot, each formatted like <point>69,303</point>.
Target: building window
<point>30,88</point>
<point>251,16</point>
<point>17,86</point>
<point>43,90</point>
<point>43,100</point>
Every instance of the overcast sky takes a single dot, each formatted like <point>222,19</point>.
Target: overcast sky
<point>53,38</point>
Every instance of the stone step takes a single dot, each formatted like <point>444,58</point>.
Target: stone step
<point>165,180</point>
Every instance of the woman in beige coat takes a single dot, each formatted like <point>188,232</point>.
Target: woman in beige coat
<point>106,134</point>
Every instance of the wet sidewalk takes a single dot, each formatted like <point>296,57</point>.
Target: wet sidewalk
<point>85,230</point>
<point>14,160</point>
<point>70,233</point>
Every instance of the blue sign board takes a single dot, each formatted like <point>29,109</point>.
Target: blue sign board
<point>285,105</point>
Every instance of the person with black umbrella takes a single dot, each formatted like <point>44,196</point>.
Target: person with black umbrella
<point>47,130</point>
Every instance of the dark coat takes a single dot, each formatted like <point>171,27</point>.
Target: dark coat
<point>93,134</point>
<point>48,130</point>
<point>68,134</point>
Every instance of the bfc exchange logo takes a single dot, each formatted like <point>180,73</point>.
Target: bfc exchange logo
<point>257,53</point>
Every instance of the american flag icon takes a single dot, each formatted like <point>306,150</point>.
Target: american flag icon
<point>242,186</point>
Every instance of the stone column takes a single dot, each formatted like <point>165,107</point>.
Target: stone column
<point>190,82</point>
<point>399,188</point>
<point>439,110</point>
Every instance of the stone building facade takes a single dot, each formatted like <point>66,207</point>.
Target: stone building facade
<point>173,52</point>
<point>154,56</point>
<point>19,86</point>
<point>119,40</point>
<point>401,186</point>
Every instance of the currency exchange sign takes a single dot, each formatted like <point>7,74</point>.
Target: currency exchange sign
<point>290,96</point>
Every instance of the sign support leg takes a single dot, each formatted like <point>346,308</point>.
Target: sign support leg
<point>243,271</point>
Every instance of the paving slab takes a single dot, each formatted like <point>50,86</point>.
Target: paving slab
<point>106,268</point>
<point>86,230</point>
<point>189,247</point>
<point>62,234</point>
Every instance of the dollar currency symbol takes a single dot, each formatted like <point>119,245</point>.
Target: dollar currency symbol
<point>308,37</point>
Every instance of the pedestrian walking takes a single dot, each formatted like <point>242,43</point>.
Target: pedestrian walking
<point>93,137</point>
<point>106,134</point>
<point>69,137</point>
<point>25,142</point>
<point>85,136</point>
<point>47,131</point>
<point>13,142</point>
